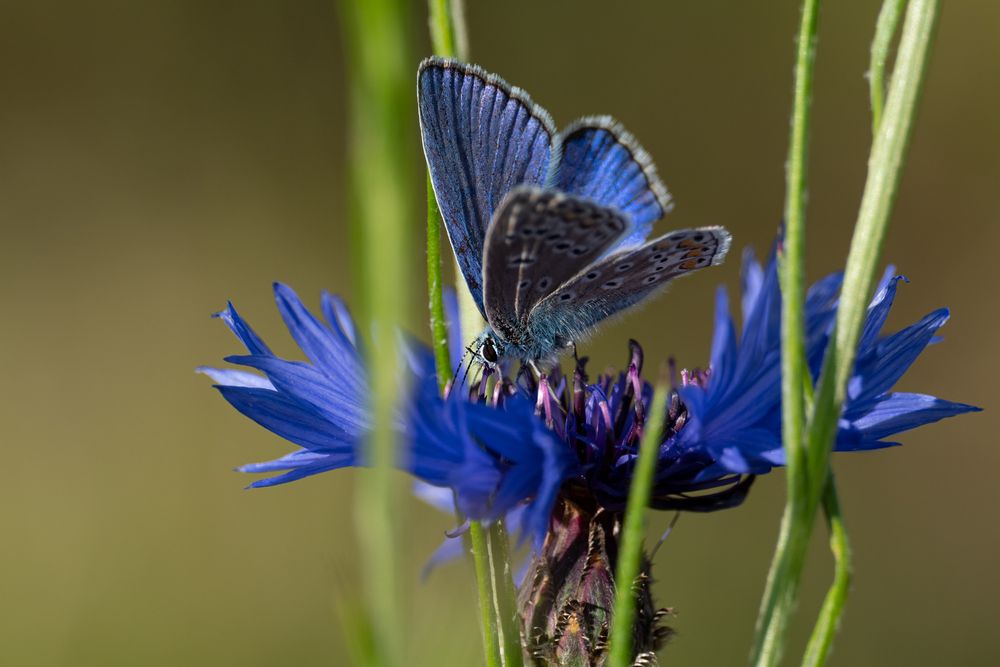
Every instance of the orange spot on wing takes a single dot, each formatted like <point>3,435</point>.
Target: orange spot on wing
<point>689,264</point>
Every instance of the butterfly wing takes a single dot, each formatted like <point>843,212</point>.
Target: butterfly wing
<point>538,240</point>
<point>603,162</point>
<point>622,280</point>
<point>481,138</point>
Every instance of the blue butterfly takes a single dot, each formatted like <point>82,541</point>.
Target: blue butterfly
<point>549,229</point>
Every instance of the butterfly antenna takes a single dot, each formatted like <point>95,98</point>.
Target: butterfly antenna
<point>461,362</point>
<point>468,351</point>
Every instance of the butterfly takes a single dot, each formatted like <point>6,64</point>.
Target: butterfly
<point>549,229</point>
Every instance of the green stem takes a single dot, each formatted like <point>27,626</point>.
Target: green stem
<point>446,40</point>
<point>884,170</point>
<point>821,640</point>
<point>435,288</point>
<point>497,599</point>
<point>494,582</point>
<point>447,23</point>
<point>484,586</point>
<point>504,596</point>
<point>381,176</point>
<point>779,598</point>
<point>633,529</point>
<point>885,28</point>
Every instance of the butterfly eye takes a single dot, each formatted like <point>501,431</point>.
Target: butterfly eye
<point>489,352</point>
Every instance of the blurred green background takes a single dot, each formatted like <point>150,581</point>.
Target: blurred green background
<point>160,157</point>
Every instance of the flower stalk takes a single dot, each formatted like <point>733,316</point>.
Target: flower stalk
<point>380,179</point>
<point>445,42</point>
<point>634,527</point>
<point>780,592</point>
<point>494,584</point>
<point>884,169</point>
<point>821,640</point>
<point>885,29</point>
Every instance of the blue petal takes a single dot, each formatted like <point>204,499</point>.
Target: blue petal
<point>751,282</point>
<point>300,380</point>
<point>242,330</point>
<point>232,378</point>
<point>882,367</point>
<point>762,322</point>
<point>438,497</point>
<point>339,318</point>
<point>724,352</point>
<point>330,353</point>
<point>289,419</point>
<point>450,549</point>
<point>878,310</point>
<point>302,458</point>
<point>898,412</point>
<point>294,475</point>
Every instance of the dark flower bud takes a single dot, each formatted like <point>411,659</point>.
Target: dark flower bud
<point>567,599</point>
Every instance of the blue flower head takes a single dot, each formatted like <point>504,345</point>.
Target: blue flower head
<point>501,447</point>
<point>493,460</point>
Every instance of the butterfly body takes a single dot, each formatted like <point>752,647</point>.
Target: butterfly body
<point>549,229</point>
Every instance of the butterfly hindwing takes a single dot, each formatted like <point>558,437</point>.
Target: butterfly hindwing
<point>538,240</point>
<point>481,138</point>
<point>622,280</point>
<point>604,162</point>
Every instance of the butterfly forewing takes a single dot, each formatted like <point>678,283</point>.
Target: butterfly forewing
<point>622,280</point>
<point>605,163</point>
<point>481,138</point>
<point>538,240</point>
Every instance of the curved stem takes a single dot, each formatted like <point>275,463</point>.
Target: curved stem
<point>821,640</point>
<point>884,169</point>
<point>781,589</point>
<point>885,28</point>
